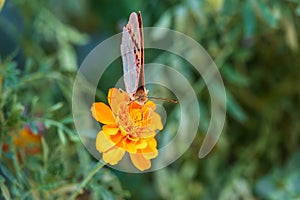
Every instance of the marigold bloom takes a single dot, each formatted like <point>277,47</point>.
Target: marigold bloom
<point>25,141</point>
<point>28,141</point>
<point>127,127</point>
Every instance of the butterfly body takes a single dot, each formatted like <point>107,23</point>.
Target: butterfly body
<point>132,51</point>
<point>140,96</point>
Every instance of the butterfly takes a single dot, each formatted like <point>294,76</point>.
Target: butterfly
<point>132,51</point>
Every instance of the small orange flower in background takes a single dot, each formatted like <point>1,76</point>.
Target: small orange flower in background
<point>127,127</point>
<point>25,141</point>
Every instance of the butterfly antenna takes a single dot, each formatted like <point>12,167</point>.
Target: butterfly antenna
<point>164,99</point>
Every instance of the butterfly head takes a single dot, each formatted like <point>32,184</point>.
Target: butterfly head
<point>140,96</point>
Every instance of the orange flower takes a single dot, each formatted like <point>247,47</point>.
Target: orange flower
<point>25,141</point>
<point>28,141</point>
<point>128,127</point>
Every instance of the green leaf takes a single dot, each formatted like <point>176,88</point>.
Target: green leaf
<point>233,76</point>
<point>180,18</point>
<point>15,113</point>
<point>188,170</point>
<point>33,127</point>
<point>107,195</point>
<point>164,22</point>
<point>7,173</point>
<point>290,31</point>
<point>266,12</point>
<point>45,148</point>
<point>4,189</point>
<point>67,57</point>
<point>67,120</point>
<point>297,11</point>
<point>61,135</point>
<point>249,20</point>
<point>55,107</point>
<point>234,109</point>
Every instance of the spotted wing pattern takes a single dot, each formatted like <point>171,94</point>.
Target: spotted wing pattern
<point>132,51</point>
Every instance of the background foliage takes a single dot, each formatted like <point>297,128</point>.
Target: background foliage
<point>255,44</point>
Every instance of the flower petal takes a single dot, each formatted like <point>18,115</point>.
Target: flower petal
<point>156,121</point>
<point>139,161</point>
<point>25,137</point>
<point>103,143</point>
<point>115,96</point>
<point>150,151</point>
<point>113,156</point>
<point>133,105</point>
<point>141,144</point>
<point>116,139</point>
<point>149,154</point>
<point>129,145</point>
<point>146,133</point>
<point>110,129</point>
<point>152,143</point>
<point>151,105</point>
<point>102,113</point>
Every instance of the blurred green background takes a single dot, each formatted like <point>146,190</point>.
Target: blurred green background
<point>255,44</point>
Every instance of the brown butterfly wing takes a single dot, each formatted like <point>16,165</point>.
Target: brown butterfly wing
<point>132,49</point>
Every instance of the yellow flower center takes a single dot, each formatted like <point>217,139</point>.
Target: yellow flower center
<point>137,117</point>
<point>133,120</point>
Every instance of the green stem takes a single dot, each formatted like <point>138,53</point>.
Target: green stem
<point>81,186</point>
